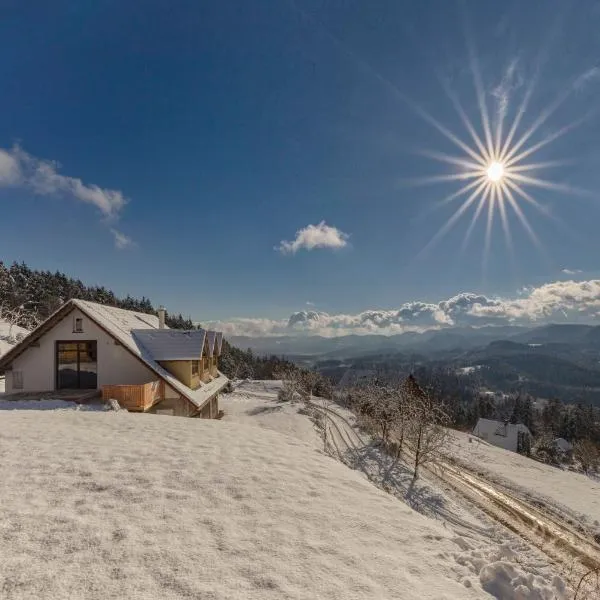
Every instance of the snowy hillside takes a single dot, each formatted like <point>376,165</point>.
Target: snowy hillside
<point>116,505</point>
<point>487,556</point>
<point>182,508</point>
<point>567,492</point>
<point>8,336</point>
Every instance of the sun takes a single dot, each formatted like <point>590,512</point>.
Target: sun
<point>495,169</point>
<point>495,172</point>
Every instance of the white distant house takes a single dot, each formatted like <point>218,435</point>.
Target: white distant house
<point>514,437</point>
<point>563,447</point>
<point>128,356</point>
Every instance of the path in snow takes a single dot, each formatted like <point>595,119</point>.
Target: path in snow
<point>566,492</point>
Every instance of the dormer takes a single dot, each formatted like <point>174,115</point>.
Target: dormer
<point>180,352</point>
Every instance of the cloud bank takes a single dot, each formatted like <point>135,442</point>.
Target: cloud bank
<point>559,301</point>
<point>20,169</point>
<point>314,236</point>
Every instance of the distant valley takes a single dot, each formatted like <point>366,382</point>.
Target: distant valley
<point>560,361</point>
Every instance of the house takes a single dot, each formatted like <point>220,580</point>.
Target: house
<point>123,355</point>
<point>514,437</point>
<point>563,448</point>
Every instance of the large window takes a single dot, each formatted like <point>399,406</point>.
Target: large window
<point>76,365</point>
<point>195,367</point>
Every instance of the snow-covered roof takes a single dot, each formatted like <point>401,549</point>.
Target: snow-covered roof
<point>212,338</point>
<point>121,325</point>
<point>171,344</point>
<point>219,342</point>
<point>563,445</point>
<point>492,427</point>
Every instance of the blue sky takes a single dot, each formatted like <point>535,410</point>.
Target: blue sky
<point>206,133</point>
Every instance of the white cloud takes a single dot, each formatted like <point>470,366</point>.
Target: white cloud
<point>511,81</point>
<point>575,301</point>
<point>21,169</point>
<point>571,271</point>
<point>586,77</point>
<point>10,172</point>
<point>315,236</point>
<point>122,241</point>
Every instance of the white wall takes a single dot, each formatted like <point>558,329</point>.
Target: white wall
<point>508,442</point>
<point>116,365</point>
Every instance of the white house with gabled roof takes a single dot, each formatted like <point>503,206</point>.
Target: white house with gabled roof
<point>510,436</point>
<point>124,355</point>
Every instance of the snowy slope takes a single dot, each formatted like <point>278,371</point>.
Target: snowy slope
<point>5,342</point>
<point>487,556</point>
<point>569,492</point>
<point>113,505</point>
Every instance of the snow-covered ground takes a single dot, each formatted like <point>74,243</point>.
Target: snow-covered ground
<point>568,492</point>
<point>48,404</point>
<point>119,505</point>
<point>487,557</point>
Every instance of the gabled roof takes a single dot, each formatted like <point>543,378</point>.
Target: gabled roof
<point>212,338</point>
<point>171,344</point>
<point>120,324</point>
<point>563,445</point>
<point>219,342</point>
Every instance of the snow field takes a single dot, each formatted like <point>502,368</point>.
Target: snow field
<point>114,505</point>
<point>486,557</point>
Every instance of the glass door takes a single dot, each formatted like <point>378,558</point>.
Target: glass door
<point>76,365</point>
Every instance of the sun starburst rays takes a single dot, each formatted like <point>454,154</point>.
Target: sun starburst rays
<point>495,168</point>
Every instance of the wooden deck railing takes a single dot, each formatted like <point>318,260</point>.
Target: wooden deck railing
<point>134,397</point>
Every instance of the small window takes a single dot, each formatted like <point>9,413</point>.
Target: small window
<point>195,367</point>
<point>17,380</point>
<point>78,325</point>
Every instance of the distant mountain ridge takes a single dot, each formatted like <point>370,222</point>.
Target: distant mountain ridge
<point>429,341</point>
<point>559,360</point>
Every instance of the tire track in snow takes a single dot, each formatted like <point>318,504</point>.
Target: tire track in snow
<point>557,540</point>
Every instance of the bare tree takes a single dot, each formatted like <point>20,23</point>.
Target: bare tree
<point>587,454</point>
<point>291,385</point>
<point>13,316</point>
<point>545,449</point>
<point>308,384</point>
<point>427,425</point>
<point>374,403</point>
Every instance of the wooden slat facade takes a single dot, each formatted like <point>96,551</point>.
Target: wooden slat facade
<point>134,397</point>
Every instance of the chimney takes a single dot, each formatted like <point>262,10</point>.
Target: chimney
<point>161,316</point>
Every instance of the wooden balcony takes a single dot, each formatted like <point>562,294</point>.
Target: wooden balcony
<point>134,397</point>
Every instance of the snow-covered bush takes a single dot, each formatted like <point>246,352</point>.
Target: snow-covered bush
<point>545,450</point>
<point>587,454</point>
